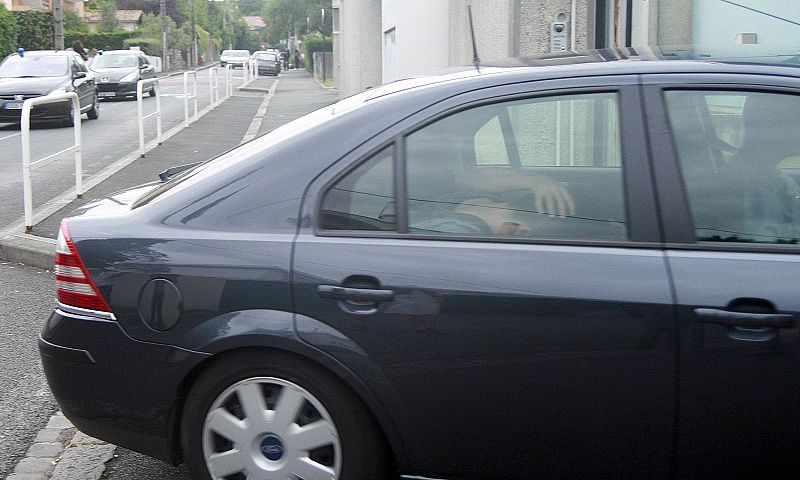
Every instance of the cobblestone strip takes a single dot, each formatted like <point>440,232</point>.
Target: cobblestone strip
<point>84,459</point>
<point>46,450</point>
<point>61,452</point>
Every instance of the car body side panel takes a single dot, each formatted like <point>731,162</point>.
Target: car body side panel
<point>570,347</point>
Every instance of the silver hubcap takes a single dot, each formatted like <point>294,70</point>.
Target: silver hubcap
<point>267,428</point>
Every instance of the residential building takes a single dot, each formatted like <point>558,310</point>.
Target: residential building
<point>377,41</point>
<point>254,23</point>
<point>22,5</point>
<point>128,20</point>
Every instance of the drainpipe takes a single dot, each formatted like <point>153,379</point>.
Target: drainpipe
<point>572,24</point>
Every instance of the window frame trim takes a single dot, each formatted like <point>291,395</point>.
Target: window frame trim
<point>643,207</point>
<point>673,200</point>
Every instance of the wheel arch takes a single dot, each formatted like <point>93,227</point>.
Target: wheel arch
<point>259,344</point>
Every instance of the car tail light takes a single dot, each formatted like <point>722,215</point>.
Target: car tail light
<point>74,287</point>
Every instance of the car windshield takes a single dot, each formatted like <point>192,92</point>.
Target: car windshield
<point>236,53</point>
<point>115,60</point>
<point>34,66</point>
<point>266,56</point>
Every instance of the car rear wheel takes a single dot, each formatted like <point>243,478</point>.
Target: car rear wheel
<point>272,416</point>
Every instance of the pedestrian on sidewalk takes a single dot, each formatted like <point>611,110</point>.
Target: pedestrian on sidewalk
<point>285,55</point>
<point>296,58</point>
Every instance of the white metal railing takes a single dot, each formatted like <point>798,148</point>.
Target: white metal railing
<point>140,110</point>
<point>228,80</point>
<point>187,96</point>
<point>249,72</point>
<point>213,86</point>
<point>28,166</point>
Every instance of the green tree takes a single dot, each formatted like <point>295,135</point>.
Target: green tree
<point>108,16</point>
<point>286,18</point>
<point>74,23</point>
<point>8,32</point>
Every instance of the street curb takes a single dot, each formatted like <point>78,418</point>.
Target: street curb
<point>28,249</point>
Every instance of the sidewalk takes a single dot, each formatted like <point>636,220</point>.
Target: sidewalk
<point>263,105</point>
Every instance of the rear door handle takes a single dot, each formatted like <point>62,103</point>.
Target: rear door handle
<point>355,294</point>
<point>743,319</point>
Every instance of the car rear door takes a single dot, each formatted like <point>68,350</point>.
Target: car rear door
<point>548,347</point>
<point>731,222</point>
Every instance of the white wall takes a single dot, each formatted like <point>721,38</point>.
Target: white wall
<point>717,23</point>
<point>360,38</point>
<point>421,37</point>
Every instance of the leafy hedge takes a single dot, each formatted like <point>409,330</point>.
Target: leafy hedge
<point>8,32</point>
<point>313,44</point>
<point>35,30</point>
<point>101,40</point>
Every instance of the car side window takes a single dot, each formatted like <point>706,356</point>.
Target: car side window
<point>739,154</point>
<point>364,198</point>
<point>545,168</point>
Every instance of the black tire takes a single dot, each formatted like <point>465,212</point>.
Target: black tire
<point>94,112</point>
<point>68,121</point>
<point>152,92</point>
<point>361,449</point>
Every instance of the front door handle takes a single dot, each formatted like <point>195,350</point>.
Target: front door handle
<point>355,294</point>
<point>744,319</point>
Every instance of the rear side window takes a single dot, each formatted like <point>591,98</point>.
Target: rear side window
<point>363,199</point>
<point>739,153</point>
<point>543,168</point>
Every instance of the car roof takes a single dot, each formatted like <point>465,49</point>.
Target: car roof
<point>116,52</point>
<point>626,61</point>
<point>40,53</point>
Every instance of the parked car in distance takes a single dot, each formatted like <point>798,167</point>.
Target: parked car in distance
<point>39,73</point>
<point>579,266</point>
<point>118,71</point>
<point>268,63</point>
<point>236,58</point>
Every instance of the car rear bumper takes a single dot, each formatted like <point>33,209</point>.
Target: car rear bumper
<point>113,387</point>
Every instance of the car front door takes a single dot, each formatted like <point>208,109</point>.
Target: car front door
<point>734,258</point>
<point>82,81</point>
<point>506,333</point>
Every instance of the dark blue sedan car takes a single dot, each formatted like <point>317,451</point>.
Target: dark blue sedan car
<point>567,269</point>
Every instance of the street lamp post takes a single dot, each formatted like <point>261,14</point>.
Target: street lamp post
<point>193,54</point>
<point>164,63</point>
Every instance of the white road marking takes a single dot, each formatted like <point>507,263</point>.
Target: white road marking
<point>258,119</point>
<point>11,136</point>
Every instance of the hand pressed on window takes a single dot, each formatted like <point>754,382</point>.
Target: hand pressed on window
<point>550,197</point>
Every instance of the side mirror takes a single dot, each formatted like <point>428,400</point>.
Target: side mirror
<point>78,75</point>
<point>142,67</point>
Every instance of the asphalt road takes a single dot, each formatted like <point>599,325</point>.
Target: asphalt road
<point>104,141</point>
<point>25,401</point>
